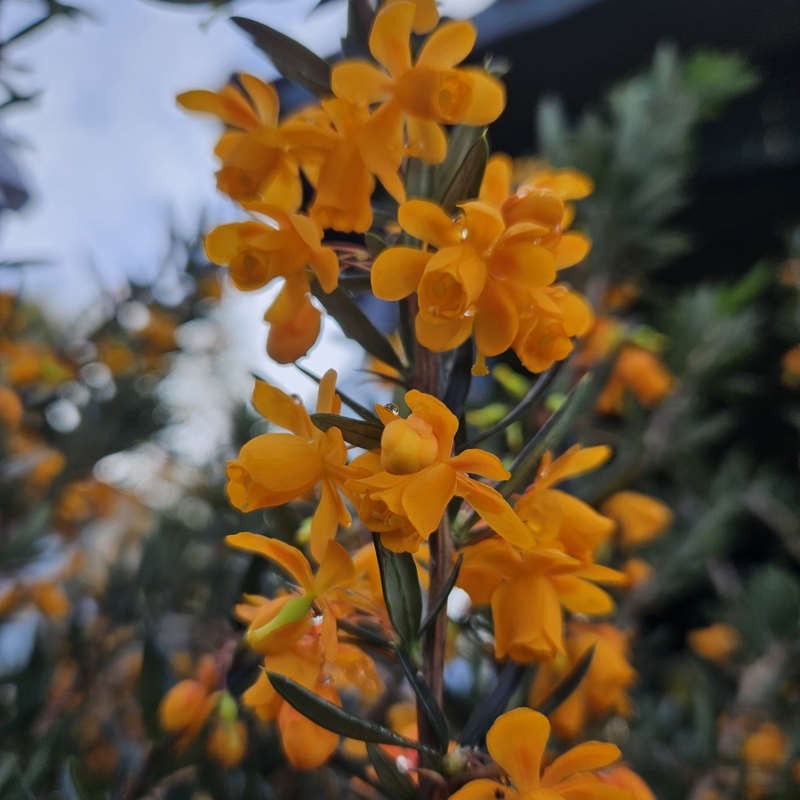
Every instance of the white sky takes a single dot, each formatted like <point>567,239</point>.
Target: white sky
<point>112,162</point>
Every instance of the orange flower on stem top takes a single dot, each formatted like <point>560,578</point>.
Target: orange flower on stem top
<point>274,468</point>
<point>419,98</point>
<point>517,742</point>
<point>414,476</point>
<point>480,280</point>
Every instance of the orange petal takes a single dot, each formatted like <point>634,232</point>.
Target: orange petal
<point>582,597</point>
<point>426,496</point>
<point>496,321</point>
<point>448,45</point>
<point>576,461</point>
<point>487,100</point>
<point>284,555</point>
<point>325,521</point>
<point>360,82</point>
<point>291,340</point>
<point>441,335</point>
<point>335,569</point>
<point>396,272</point>
<point>390,36</point>
<point>281,409</point>
<point>484,224</point>
<point>586,757</point>
<point>225,108</point>
<point>496,183</point>
<point>568,184</point>
<point>479,462</point>
<point>328,401</point>
<point>523,262</point>
<point>426,140</point>
<point>443,421</point>
<point>491,507</point>
<point>307,745</point>
<point>264,97</point>
<point>429,223</point>
<point>572,248</point>
<point>517,742</point>
<point>426,15</point>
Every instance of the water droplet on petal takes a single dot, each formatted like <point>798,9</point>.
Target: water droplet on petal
<point>392,407</point>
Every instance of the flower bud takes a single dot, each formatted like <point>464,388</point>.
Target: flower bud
<point>408,445</point>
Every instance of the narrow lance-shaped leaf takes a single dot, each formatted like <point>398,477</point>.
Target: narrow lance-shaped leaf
<point>581,399</point>
<point>439,602</point>
<point>462,140</point>
<point>568,684</point>
<point>493,704</point>
<point>401,592</point>
<point>354,431</point>
<point>467,181</point>
<point>394,783</point>
<point>426,700</point>
<point>333,718</point>
<point>293,60</point>
<point>356,325</point>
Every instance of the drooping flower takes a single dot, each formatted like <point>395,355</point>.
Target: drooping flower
<point>414,476</point>
<point>639,517</point>
<point>495,573</point>
<point>256,253</point>
<point>275,468</point>
<point>417,98</point>
<point>640,372</point>
<point>604,687</point>
<point>560,519</point>
<point>517,742</point>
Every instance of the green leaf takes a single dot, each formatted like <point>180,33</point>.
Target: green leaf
<point>153,684</point>
<point>333,718</point>
<point>355,43</point>
<point>401,592</point>
<point>531,397</point>
<point>489,708</point>
<point>293,60</point>
<point>439,602</point>
<point>467,181</point>
<point>394,783</point>
<point>568,684</point>
<point>580,400</point>
<point>426,700</point>
<point>464,140</point>
<point>354,431</point>
<point>356,325</point>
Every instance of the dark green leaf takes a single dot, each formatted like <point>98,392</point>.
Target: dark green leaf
<point>492,705</point>
<point>153,684</point>
<point>360,16</point>
<point>426,700</point>
<point>357,325</point>
<point>580,400</point>
<point>396,784</point>
<point>333,718</point>
<point>568,684</point>
<point>467,180</point>
<point>462,139</point>
<point>293,60</point>
<point>438,604</point>
<point>532,396</point>
<point>354,431</point>
<point>401,591</point>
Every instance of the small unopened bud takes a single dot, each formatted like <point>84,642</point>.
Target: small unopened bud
<point>408,445</point>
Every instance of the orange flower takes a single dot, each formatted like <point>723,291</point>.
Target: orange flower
<point>517,742</point>
<point>185,708</point>
<point>639,518</point>
<point>497,574</point>
<point>481,279</point>
<point>256,161</point>
<point>604,688</point>
<point>418,98</point>
<point>256,253</point>
<point>640,372</point>
<point>637,572</point>
<point>716,642</point>
<point>558,518</point>
<point>625,778</point>
<point>336,571</point>
<point>767,747</point>
<point>274,468</point>
<point>10,409</point>
<point>414,476</point>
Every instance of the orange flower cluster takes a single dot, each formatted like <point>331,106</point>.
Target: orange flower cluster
<point>492,272</point>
